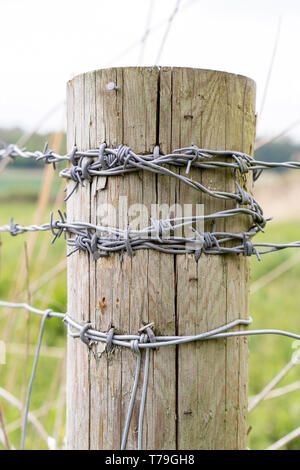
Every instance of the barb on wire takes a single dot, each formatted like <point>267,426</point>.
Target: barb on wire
<point>100,240</point>
<point>122,160</point>
<point>161,235</point>
<point>4,159</point>
<point>106,161</point>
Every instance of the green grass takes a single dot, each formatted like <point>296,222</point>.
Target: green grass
<point>51,295</point>
<point>274,306</point>
<point>19,184</point>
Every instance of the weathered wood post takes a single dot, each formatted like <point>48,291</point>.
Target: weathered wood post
<point>197,393</point>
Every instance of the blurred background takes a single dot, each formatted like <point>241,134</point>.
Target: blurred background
<point>44,45</point>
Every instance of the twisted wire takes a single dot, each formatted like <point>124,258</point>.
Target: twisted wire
<point>101,241</point>
<point>111,161</point>
<point>105,161</point>
<point>158,227</point>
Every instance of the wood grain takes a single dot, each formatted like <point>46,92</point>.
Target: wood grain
<point>197,393</point>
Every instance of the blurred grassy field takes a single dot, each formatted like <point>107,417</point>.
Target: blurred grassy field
<point>274,306</point>
<point>49,386</point>
<point>20,185</point>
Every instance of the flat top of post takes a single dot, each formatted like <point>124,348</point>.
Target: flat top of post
<point>165,68</point>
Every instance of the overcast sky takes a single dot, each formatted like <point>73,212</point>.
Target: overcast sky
<point>45,43</point>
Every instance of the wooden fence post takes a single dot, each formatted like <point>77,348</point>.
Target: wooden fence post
<point>197,393</point>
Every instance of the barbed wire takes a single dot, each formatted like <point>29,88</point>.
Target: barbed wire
<point>112,162</point>
<point>122,160</point>
<point>161,235</point>
<point>87,237</point>
<point>100,240</point>
<point>146,340</point>
<point>158,226</point>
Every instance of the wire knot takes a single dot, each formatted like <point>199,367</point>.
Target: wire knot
<point>114,158</point>
<point>109,340</point>
<point>161,227</point>
<point>151,335</point>
<point>209,241</point>
<point>72,156</point>
<point>242,163</point>
<point>134,344</point>
<point>245,198</point>
<point>194,150</point>
<point>75,174</point>
<point>82,334</point>
<point>87,242</point>
<point>47,156</point>
<point>14,229</point>
<point>123,154</point>
<point>127,247</point>
<point>79,172</point>
<point>8,151</point>
<point>249,248</point>
<point>48,313</point>
<point>55,225</point>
